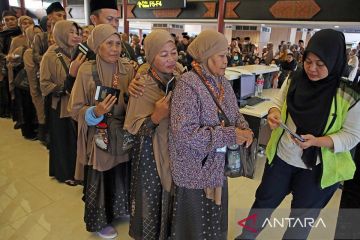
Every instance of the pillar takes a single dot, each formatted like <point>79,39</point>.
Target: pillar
<point>126,22</point>
<point>87,12</point>
<point>221,13</point>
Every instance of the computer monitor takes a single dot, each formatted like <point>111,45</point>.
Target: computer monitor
<point>244,87</point>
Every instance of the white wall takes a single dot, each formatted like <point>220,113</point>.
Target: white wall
<point>192,29</point>
<point>352,37</point>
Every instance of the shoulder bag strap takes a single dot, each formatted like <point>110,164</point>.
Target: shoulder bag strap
<point>95,75</point>
<point>226,119</point>
<point>161,85</point>
<point>60,57</point>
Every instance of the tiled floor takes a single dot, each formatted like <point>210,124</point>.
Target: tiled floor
<point>35,207</point>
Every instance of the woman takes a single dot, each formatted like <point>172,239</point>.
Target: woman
<point>106,180</point>
<point>147,118</point>
<point>15,64</point>
<point>86,31</point>
<point>323,109</point>
<point>53,73</point>
<point>34,84</point>
<point>197,138</point>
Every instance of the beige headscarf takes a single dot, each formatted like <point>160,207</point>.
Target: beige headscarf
<point>100,33</point>
<point>141,108</point>
<point>98,36</point>
<point>60,34</point>
<point>208,43</point>
<point>154,42</point>
<point>22,18</point>
<point>30,33</point>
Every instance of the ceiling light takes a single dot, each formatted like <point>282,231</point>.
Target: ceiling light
<point>336,26</point>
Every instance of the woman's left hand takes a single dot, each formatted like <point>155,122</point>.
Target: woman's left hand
<point>310,141</point>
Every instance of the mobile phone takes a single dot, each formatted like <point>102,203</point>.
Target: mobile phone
<point>169,86</point>
<point>102,92</point>
<point>295,135</point>
<point>140,60</point>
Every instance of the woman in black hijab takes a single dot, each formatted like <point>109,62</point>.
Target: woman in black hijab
<point>322,108</point>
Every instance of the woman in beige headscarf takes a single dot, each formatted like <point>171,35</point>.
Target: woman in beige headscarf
<point>100,135</point>
<point>34,84</point>
<point>23,109</point>
<point>198,134</point>
<point>53,73</point>
<point>147,118</point>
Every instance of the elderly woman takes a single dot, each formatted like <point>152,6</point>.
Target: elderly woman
<point>100,123</point>
<point>323,109</point>
<point>147,117</point>
<point>197,138</point>
<point>53,73</point>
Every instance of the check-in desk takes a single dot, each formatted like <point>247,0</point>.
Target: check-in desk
<point>256,115</point>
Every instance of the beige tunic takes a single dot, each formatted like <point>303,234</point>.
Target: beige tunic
<point>83,97</point>
<point>34,84</point>
<point>141,108</point>
<point>52,78</point>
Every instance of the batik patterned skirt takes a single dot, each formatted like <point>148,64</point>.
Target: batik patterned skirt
<point>151,205</point>
<point>106,196</point>
<point>196,217</point>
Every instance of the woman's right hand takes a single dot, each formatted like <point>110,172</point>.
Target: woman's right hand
<point>161,109</point>
<point>75,65</point>
<point>244,135</point>
<point>274,118</point>
<point>136,88</point>
<point>105,106</point>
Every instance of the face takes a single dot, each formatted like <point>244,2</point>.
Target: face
<point>10,22</point>
<point>217,64</point>
<point>25,24</point>
<point>74,37</point>
<point>165,60</point>
<point>57,16</point>
<point>315,68</point>
<point>289,58</point>
<point>107,16</point>
<point>110,49</point>
<point>134,40</point>
<point>85,34</point>
<point>257,61</point>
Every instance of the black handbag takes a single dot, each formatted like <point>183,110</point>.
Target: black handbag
<point>21,80</point>
<point>239,160</point>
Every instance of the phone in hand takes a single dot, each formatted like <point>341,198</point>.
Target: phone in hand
<point>102,92</point>
<point>140,60</point>
<point>170,86</point>
<point>293,134</point>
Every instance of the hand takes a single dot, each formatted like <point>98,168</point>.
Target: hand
<point>161,109</point>
<point>310,141</point>
<point>105,106</point>
<point>75,65</point>
<point>244,135</point>
<point>274,118</point>
<point>10,58</point>
<point>136,88</point>
<point>135,65</point>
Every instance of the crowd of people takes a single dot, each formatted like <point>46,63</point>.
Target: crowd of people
<point>140,124</point>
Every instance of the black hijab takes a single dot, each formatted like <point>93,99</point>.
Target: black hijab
<point>309,102</point>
